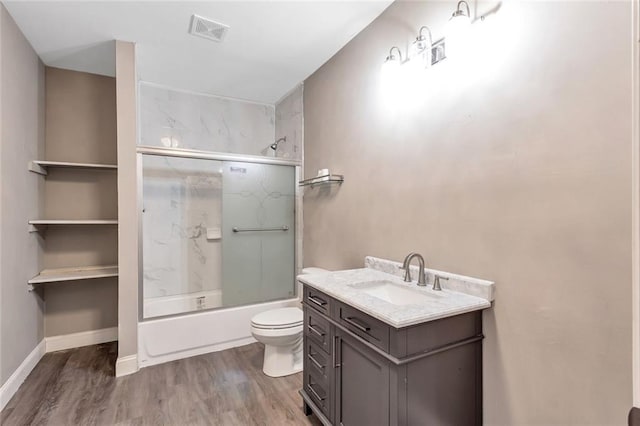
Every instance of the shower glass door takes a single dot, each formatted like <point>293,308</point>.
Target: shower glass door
<point>215,234</point>
<point>181,223</point>
<point>258,217</point>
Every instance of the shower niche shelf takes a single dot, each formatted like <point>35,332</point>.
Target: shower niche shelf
<point>41,167</point>
<point>322,180</point>
<point>73,274</point>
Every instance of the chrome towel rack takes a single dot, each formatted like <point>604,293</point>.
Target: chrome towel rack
<point>322,180</point>
<point>280,228</point>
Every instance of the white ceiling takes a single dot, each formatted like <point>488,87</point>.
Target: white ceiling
<point>271,46</point>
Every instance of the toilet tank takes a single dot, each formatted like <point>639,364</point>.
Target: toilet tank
<point>313,270</point>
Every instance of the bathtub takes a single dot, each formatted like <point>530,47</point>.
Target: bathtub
<point>168,339</point>
<point>182,303</point>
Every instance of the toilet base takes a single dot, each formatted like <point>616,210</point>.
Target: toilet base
<point>282,360</point>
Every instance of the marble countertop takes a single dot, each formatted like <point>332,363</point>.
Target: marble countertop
<point>465,295</point>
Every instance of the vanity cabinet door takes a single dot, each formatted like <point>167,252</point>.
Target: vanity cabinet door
<point>362,384</point>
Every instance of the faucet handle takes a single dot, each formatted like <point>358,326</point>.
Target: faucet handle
<point>436,282</point>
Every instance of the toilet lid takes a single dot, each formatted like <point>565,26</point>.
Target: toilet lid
<point>278,318</point>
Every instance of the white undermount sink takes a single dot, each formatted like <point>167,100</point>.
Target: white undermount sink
<point>394,293</point>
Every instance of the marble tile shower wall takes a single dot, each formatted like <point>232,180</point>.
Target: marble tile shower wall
<point>182,196</point>
<point>289,123</point>
<point>182,251</point>
<point>170,118</point>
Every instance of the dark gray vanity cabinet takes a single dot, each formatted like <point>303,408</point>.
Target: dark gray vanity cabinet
<point>359,371</point>
<point>362,383</point>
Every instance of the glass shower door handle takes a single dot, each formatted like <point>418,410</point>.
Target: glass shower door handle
<point>280,228</point>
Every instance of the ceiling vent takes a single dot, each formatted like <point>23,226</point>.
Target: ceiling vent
<point>206,28</point>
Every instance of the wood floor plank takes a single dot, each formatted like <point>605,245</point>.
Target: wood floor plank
<point>78,387</point>
<point>42,385</point>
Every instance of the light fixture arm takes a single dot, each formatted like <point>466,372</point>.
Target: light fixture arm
<point>391,57</point>
<point>421,36</point>
<point>459,11</point>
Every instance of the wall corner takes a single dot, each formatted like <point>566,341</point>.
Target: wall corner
<point>126,103</point>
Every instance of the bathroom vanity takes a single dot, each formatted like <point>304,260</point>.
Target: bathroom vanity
<point>380,351</point>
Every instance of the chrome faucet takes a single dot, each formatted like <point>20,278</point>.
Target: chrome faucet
<point>422,281</point>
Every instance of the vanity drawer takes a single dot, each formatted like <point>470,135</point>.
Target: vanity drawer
<point>318,329</point>
<point>370,329</point>
<point>315,388</point>
<point>318,362</point>
<point>317,300</point>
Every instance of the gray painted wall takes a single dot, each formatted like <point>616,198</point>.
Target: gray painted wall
<point>80,127</point>
<point>22,132</point>
<point>515,168</point>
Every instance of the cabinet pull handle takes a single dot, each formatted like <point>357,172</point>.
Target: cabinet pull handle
<point>317,300</point>
<point>334,353</point>
<point>313,360</point>
<point>318,333</point>
<point>354,322</point>
<point>314,393</point>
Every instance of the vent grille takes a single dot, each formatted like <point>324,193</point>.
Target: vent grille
<point>206,28</point>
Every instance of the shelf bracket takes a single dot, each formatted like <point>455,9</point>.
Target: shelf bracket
<point>30,288</point>
<point>37,168</point>
<point>37,228</point>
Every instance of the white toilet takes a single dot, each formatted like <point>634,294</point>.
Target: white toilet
<point>281,332</point>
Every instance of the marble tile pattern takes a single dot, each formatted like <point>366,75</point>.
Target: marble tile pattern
<point>176,119</point>
<point>289,121</point>
<point>182,249</point>
<point>442,304</point>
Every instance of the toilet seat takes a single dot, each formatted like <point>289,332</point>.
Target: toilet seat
<point>276,319</point>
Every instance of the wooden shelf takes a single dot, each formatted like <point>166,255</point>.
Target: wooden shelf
<point>74,222</point>
<point>73,274</point>
<point>41,166</point>
<point>37,225</point>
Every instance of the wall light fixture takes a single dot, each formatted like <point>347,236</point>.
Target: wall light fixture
<point>458,27</point>
<point>459,16</point>
<point>393,61</point>
<point>420,50</point>
<point>391,66</point>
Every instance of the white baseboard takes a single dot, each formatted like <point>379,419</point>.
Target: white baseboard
<point>126,365</point>
<point>85,338</point>
<point>12,384</point>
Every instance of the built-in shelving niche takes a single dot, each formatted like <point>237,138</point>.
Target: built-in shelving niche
<point>79,273</point>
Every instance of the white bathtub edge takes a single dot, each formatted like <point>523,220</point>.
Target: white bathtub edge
<point>188,353</point>
<point>169,339</point>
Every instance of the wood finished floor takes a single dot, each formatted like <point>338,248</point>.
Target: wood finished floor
<point>78,387</point>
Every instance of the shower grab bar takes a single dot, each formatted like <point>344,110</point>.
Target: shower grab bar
<point>281,228</point>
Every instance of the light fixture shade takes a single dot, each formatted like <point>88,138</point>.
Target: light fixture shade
<point>457,29</point>
<point>391,79</point>
<point>391,65</point>
<point>420,49</point>
<point>390,71</point>
<point>457,25</point>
